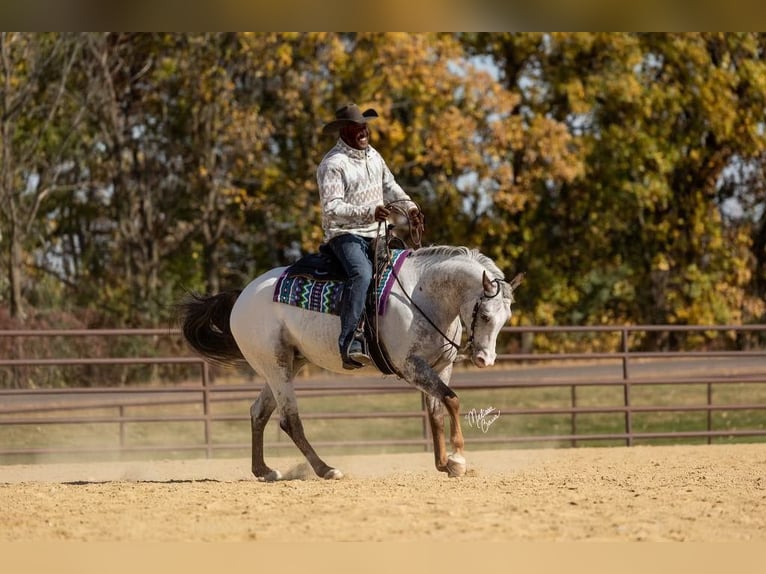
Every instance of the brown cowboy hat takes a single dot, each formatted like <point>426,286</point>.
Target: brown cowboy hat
<point>349,113</point>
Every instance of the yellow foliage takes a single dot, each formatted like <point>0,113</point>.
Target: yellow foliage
<point>594,161</point>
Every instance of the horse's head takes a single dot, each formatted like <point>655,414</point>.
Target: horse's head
<point>491,311</point>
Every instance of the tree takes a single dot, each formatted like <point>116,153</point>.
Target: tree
<point>623,172</point>
<point>166,136</point>
<point>38,120</point>
<point>659,120</point>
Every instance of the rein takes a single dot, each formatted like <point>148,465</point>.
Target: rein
<point>415,231</point>
<point>415,236</point>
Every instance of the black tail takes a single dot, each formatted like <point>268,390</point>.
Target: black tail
<point>205,325</point>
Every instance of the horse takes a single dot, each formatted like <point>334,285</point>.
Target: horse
<point>437,290</point>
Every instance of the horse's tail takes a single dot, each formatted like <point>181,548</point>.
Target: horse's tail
<point>206,328</point>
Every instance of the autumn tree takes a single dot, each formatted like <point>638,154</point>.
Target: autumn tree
<point>38,123</point>
<point>453,136</point>
<point>659,121</point>
<point>623,172</point>
<point>166,136</point>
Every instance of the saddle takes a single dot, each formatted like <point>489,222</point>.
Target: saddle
<point>315,282</point>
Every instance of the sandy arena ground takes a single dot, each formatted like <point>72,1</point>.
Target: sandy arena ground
<point>658,493</point>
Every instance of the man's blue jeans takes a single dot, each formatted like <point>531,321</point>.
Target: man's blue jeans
<point>354,254</point>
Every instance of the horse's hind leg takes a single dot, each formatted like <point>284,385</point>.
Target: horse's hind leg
<point>260,413</point>
<point>290,422</point>
<point>293,426</point>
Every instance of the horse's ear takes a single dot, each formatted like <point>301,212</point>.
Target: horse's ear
<point>516,281</point>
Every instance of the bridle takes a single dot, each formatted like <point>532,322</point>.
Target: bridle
<point>416,232</point>
<point>462,352</point>
<point>465,351</point>
<point>475,313</point>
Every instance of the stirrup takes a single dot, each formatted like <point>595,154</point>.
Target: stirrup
<point>357,352</point>
<point>354,357</point>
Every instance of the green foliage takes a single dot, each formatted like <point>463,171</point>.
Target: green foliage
<point>623,172</point>
<point>659,121</point>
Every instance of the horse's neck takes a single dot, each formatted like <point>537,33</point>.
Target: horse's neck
<point>451,283</point>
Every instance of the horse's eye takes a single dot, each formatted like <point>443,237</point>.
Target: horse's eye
<point>485,317</point>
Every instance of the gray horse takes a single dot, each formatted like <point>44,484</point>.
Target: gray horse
<point>437,291</point>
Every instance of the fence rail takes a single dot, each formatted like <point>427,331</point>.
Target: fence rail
<point>724,383</point>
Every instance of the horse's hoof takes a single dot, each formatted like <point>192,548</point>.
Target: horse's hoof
<point>456,465</point>
<point>333,474</point>
<point>272,476</point>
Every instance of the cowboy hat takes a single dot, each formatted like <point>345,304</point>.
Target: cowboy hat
<point>349,113</point>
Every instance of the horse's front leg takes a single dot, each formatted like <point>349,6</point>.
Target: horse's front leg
<point>439,396</point>
<point>456,465</point>
<point>435,411</point>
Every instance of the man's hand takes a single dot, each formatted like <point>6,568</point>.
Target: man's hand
<point>416,216</point>
<point>382,213</point>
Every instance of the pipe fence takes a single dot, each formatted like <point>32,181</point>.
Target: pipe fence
<point>612,385</point>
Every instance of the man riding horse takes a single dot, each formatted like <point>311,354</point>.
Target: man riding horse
<point>355,185</point>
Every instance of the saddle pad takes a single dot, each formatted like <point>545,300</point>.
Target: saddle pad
<point>324,296</point>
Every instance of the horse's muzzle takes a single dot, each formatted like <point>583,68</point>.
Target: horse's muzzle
<point>483,359</point>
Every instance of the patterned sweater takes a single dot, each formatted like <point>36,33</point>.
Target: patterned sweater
<point>352,183</point>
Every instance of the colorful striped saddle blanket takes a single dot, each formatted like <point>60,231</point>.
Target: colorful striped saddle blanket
<point>315,282</point>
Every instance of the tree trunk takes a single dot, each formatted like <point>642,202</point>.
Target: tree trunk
<point>212,266</point>
<point>15,274</point>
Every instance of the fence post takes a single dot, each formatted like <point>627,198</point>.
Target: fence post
<point>573,395</point>
<point>709,412</point>
<point>122,427</point>
<point>206,409</point>
<point>626,388</point>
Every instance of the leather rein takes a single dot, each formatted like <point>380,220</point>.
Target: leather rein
<point>415,229</point>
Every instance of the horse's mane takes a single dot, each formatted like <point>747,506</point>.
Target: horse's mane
<point>449,251</point>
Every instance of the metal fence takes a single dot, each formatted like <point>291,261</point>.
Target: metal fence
<point>701,383</point>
